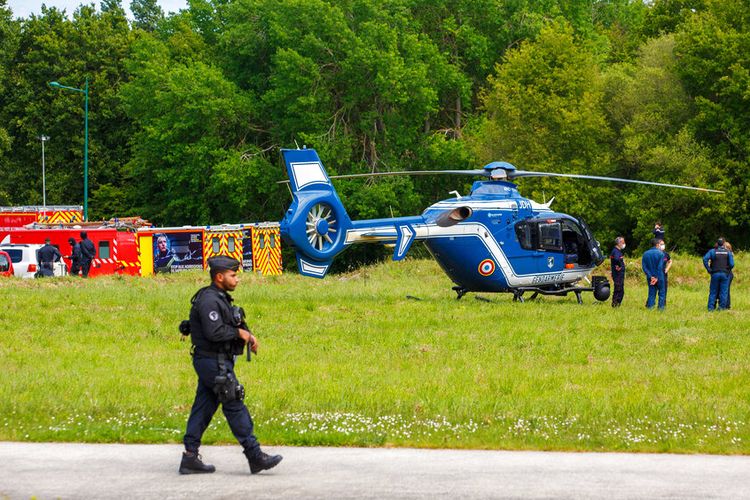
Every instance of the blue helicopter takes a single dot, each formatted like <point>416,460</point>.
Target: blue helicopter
<point>493,240</point>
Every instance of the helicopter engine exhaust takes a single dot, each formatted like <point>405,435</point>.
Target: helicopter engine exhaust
<point>453,217</point>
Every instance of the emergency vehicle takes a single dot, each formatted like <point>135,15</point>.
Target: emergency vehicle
<point>132,246</point>
<point>50,214</point>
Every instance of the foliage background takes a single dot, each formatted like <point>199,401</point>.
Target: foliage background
<point>188,111</point>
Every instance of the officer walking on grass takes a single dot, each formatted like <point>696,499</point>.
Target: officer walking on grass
<point>652,264</point>
<point>218,332</point>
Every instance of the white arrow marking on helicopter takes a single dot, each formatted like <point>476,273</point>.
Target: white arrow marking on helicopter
<point>406,236</point>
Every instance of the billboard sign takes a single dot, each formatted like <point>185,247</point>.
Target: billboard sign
<point>178,251</point>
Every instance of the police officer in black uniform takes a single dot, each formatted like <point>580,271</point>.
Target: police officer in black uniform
<point>75,256</point>
<point>46,257</point>
<point>719,263</point>
<point>88,253</point>
<point>618,271</point>
<point>219,332</point>
<point>658,230</point>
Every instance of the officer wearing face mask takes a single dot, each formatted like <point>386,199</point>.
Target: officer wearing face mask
<point>652,264</point>
<point>617,262</point>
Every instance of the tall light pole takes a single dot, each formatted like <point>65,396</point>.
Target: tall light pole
<point>43,138</point>
<point>85,92</point>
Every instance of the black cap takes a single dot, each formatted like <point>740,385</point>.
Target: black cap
<point>223,263</point>
<point>720,242</point>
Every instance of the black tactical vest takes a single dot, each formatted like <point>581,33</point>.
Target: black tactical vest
<point>720,262</point>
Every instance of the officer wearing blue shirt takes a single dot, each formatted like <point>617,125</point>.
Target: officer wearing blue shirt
<point>618,271</point>
<point>652,264</point>
<point>719,263</point>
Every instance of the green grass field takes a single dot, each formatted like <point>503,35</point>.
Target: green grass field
<point>349,360</point>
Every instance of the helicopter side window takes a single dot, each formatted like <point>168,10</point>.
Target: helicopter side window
<point>550,236</point>
<point>528,235</point>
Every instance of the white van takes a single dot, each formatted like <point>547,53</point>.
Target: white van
<point>25,264</point>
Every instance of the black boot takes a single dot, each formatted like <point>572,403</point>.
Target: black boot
<point>262,461</point>
<point>192,464</point>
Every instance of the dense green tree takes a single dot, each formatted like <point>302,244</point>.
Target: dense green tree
<point>54,48</point>
<point>665,16</point>
<point>188,110</point>
<point>651,110</point>
<point>146,14</point>
<point>189,164</point>
<point>544,112</point>
<point>713,50</point>
<point>8,47</point>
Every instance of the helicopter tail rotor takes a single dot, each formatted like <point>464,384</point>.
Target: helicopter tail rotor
<point>316,222</point>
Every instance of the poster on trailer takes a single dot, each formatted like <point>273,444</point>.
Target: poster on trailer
<point>247,250</point>
<point>178,251</point>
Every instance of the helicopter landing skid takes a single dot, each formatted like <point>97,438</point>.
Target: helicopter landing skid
<point>577,290</point>
<point>460,291</point>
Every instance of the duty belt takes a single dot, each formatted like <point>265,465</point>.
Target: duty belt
<point>207,354</point>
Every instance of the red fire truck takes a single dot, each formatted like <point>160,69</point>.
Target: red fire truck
<point>50,214</point>
<point>132,246</point>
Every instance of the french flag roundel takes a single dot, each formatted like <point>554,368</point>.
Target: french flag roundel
<point>486,267</point>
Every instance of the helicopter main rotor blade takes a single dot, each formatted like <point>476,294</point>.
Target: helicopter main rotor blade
<point>522,173</point>
<point>483,173</point>
<point>412,172</point>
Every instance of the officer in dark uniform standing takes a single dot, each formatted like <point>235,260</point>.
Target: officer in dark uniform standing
<point>719,263</point>
<point>75,256</point>
<point>658,230</point>
<point>618,271</point>
<point>46,257</point>
<point>652,264</point>
<point>88,253</point>
<point>219,332</point>
<point>667,266</point>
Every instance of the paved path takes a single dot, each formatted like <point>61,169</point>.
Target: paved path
<point>47,470</point>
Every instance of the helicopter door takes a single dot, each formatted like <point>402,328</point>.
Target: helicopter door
<point>528,260</point>
<point>593,246</point>
<point>551,246</point>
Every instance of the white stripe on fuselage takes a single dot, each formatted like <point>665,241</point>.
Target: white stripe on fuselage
<point>470,229</point>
